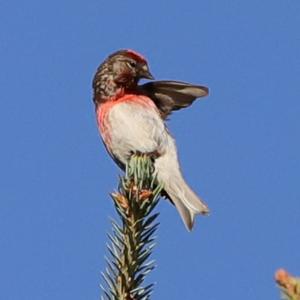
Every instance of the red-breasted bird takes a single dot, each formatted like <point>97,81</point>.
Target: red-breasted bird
<point>131,120</point>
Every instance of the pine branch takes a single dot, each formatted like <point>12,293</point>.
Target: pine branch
<point>132,240</point>
<point>289,285</point>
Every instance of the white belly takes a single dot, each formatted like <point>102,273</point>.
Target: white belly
<point>133,128</point>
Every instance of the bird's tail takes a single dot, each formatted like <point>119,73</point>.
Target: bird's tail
<point>186,201</point>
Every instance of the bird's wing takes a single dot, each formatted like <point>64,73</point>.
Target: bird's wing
<point>172,95</point>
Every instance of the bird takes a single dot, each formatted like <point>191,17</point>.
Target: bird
<point>131,118</point>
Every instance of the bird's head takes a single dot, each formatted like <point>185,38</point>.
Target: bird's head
<point>127,66</point>
<point>120,71</point>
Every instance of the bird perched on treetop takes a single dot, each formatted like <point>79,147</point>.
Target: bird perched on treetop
<point>131,119</point>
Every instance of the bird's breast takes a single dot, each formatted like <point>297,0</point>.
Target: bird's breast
<point>128,108</point>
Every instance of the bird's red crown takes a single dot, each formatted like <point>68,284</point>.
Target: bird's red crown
<point>130,53</point>
<point>136,56</point>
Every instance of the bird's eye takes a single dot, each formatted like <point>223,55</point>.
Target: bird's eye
<point>131,64</point>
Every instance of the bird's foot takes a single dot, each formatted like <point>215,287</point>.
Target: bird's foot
<point>153,154</point>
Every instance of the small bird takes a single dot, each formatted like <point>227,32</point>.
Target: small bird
<point>131,119</point>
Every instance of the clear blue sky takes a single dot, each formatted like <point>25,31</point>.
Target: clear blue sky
<point>239,147</point>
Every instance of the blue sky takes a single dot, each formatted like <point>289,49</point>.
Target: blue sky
<point>239,148</point>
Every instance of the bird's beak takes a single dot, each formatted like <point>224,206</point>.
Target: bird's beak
<point>145,73</point>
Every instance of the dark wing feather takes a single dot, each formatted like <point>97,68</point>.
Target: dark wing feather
<point>172,95</point>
